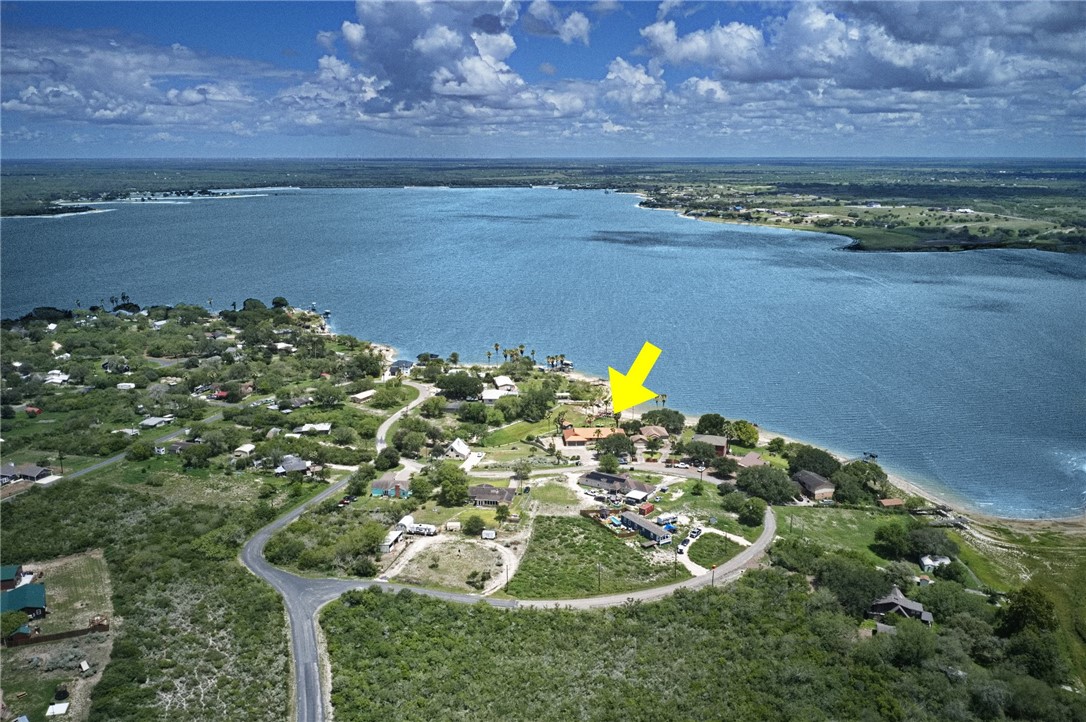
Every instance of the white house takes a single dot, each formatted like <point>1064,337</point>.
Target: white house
<point>244,450</point>
<point>153,422</point>
<point>929,563</point>
<point>363,396</point>
<point>504,383</point>
<point>459,449</point>
<point>56,377</point>
<point>324,427</point>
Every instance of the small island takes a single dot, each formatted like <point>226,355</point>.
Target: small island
<point>167,441</point>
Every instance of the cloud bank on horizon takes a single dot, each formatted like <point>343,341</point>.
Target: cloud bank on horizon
<point>544,78</point>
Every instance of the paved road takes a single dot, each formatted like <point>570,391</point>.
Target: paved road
<point>304,597</point>
<point>114,459</point>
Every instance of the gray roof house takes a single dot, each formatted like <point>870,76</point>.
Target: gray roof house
<point>814,485</point>
<point>486,495</point>
<point>897,603</point>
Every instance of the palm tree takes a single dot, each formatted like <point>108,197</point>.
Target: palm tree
<point>533,354</point>
<point>497,347</point>
<point>618,417</point>
<point>663,399</point>
<point>520,349</point>
<point>488,356</point>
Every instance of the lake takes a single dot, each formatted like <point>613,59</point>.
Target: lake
<point>964,372</point>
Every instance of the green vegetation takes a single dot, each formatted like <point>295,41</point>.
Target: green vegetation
<point>765,649</point>
<point>463,566</point>
<point>553,492</point>
<point>201,635</point>
<point>575,557</point>
<point>711,550</point>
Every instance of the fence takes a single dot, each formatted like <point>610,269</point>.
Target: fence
<point>40,638</point>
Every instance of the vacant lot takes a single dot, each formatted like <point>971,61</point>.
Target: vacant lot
<point>76,589</point>
<point>835,528</point>
<point>575,557</point>
<point>554,492</point>
<point>448,565</point>
<point>712,549</point>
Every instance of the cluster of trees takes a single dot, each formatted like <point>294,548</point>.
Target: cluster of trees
<point>801,649</point>
<point>740,430</point>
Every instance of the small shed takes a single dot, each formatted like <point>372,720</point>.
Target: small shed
<point>489,534</point>
<point>244,450</point>
<point>452,526</point>
<point>390,541</point>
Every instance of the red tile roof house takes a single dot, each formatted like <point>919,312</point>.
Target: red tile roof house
<point>581,435</point>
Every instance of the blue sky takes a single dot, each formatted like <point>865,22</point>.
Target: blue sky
<point>542,79</point>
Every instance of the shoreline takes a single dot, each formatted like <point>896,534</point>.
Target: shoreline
<point>908,486</point>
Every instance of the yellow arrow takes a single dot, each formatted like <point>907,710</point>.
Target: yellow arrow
<point>628,390</point>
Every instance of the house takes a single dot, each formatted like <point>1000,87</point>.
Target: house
<point>489,396</point>
<point>30,472</point>
<point>10,574</point>
<point>614,483</point>
<point>459,449</point>
<point>891,503</point>
<point>363,396</point>
<point>19,636</point>
<point>897,603</point>
<point>178,446</point>
<point>504,383</point>
<point>581,436</point>
<point>7,473</point>
<point>29,598</point>
<point>644,527</point>
<point>486,495</point>
<point>654,432</point>
<point>324,427</point>
<point>153,422</point>
<point>244,450</point>
<point>814,485</point>
<point>930,563</point>
<point>751,459</point>
<point>401,368</point>
<point>391,539</point>
<point>719,443</point>
<point>56,377</point>
<point>291,463</point>
<point>391,487</point>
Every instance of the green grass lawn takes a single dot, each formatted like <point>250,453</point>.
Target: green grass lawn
<point>835,528</point>
<point>712,549</point>
<point>516,432</point>
<point>574,557</point>
<point>554,493</point>
<point>39,687</point>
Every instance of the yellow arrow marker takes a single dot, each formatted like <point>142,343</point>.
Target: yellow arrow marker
<point>628,390</point>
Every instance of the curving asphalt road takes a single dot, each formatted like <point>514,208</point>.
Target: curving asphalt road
<point>304,596</point>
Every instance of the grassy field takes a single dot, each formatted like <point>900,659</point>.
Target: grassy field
<point>712,549</point>
<point>554,492</point>
<point>448,564</point>
<point>833,528</point>
<point>77,588</point>
<point>573,557</point>
<point>516,432</point>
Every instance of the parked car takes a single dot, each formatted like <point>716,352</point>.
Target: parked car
<point>695,532</point>
<point>685,542</point>
<point>681,550</point>
<point>682,465</point>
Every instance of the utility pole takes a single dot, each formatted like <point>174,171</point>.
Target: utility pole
<point>713,583</point>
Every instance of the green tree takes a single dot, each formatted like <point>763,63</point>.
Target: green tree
<point>433,407</point>
<point>460,385</point>
<point>752,513</point>
<point>724,466</point>
<point>699,452</point>
<point>453,482</point>
<point>522,469</point>
<point>616,445</point>
<point>776,445</point>
<point>711,424</point>
<point>913,644</point>
<point>535,404</point>
<point>609,464</point>
<point>360,480</point>
<point>7,412</point>
<point>473,412</point>
<point>10,623</point>
<point>501,514</point>
<point>1027,607</point>
<point>768,483</point>
<point>140,451</point>
<point>388,458</point>
<point>812,459</point>
<point>855,584</point>
<point>670,419</point>
<point>328,396</point>
<point>280,302</point>
<point>733,501</point>
<point>744,432</point>
<point>473,525</point>
<point>892,540</point>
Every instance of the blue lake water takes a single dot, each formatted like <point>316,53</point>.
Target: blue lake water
<point>964,372</point>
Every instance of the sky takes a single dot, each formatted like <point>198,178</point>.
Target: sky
<point>378,79</point>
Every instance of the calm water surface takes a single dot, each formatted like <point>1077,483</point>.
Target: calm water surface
<point>964,372</point>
